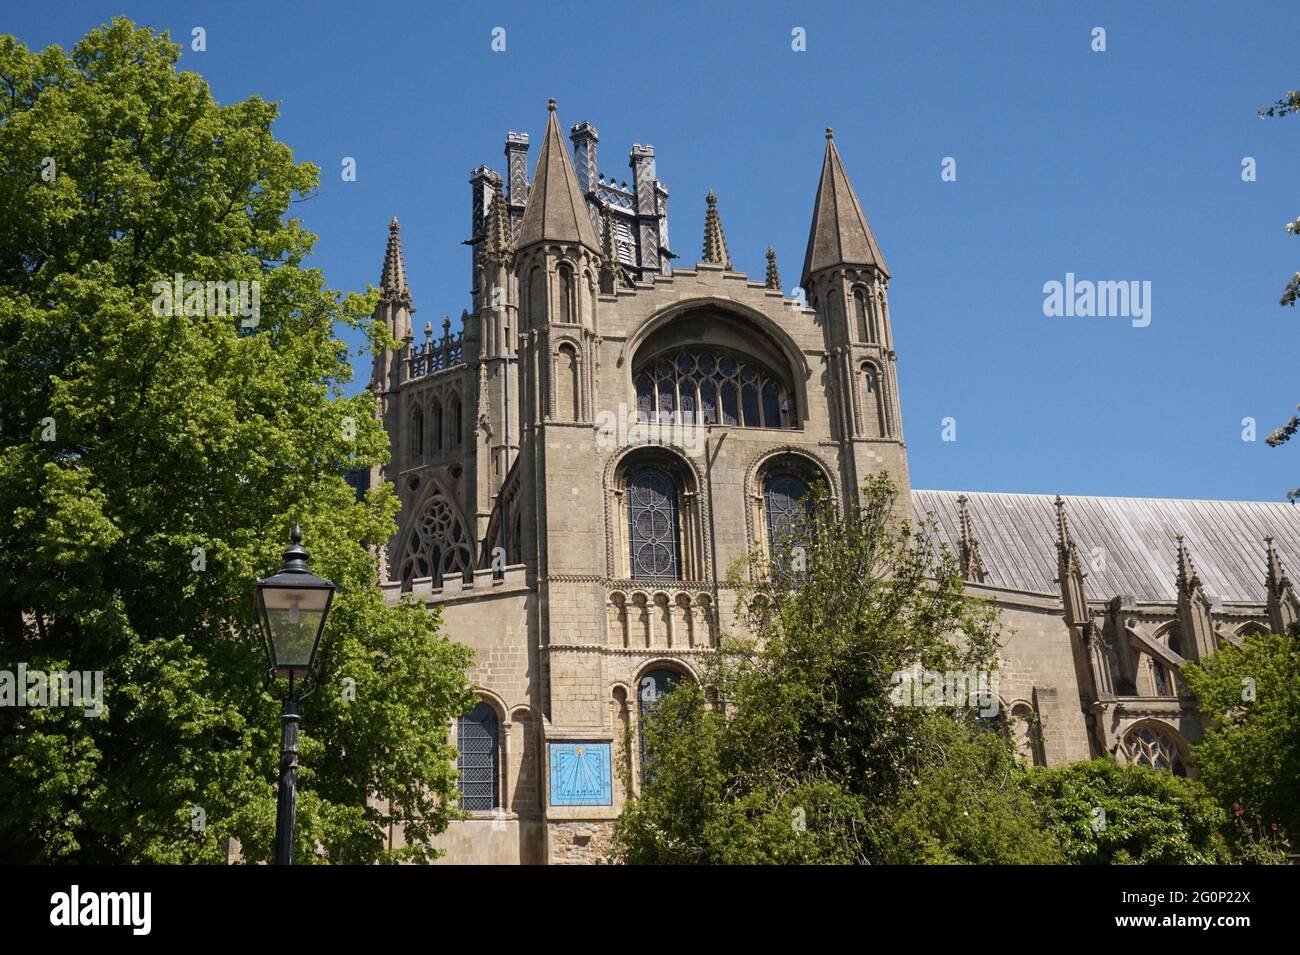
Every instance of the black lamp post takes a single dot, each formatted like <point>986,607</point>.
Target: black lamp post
<point>292,606</point>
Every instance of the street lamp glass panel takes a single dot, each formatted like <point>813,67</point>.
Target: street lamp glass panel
<point>294,617</point>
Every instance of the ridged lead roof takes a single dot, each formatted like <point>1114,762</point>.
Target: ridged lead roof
<point>1137,536</point>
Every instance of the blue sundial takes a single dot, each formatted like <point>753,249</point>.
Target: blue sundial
<point>580,775</point>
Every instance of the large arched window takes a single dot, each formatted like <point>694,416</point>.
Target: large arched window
<point>713,386</point>
<point>437,545</point>
<point>785,505</point>
<point>654,684</point>
<point>654,543</point>
<point>477,746</point>
<point>1148,745</point>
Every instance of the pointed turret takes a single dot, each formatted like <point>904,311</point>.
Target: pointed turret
<point>715,243</point>
<point>1188,579</point>
<point>968,548</point>
<point>840,235</point>
<point>1069,571</point>
<point>611,269</point>
<point>1194,620</point>
<point>773,280</point>
<point>392,280</point>
<point>496,231</point>
<point>556,210</point>
<point>1283,603</point>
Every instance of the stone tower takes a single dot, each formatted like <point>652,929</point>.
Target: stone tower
<point>606,436</point>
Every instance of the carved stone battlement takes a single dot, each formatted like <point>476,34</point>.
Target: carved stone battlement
<point>482,583</point>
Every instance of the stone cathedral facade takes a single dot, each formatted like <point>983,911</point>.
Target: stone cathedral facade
<point>585,560</point>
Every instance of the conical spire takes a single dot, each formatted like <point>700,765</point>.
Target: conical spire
<point>840,234</point>
<point>392,281</point>
<point>715,243</point>
<point>972,564</point>
<point>773,274</point>
<point>496,237</point>
<point>556,210</point>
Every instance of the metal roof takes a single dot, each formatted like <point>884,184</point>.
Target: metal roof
<point>1127,544</point>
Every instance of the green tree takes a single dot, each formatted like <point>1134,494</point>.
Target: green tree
<point>151,465</point>
<point>1249,757</point>
<point>1104,813</point>
<point>1288,104</point>
<point>814,760</point>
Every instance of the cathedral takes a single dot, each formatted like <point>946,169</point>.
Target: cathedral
<point>610,429</point>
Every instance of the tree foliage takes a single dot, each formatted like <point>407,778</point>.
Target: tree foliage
<point>794,747</point>
<point>1249,756</point>
<point>812,759</point>
<point>152,465</point>
<point>1103,813</point>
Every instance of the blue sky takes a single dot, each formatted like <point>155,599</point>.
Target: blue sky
<point>1122,165</point>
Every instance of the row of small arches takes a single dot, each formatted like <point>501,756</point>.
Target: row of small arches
<point>640,619</point>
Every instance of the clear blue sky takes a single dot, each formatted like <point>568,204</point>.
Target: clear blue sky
<point>1117,165</point>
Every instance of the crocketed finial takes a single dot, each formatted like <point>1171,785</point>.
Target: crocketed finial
<point>715,243</point>
<point>392,280</point>
<point>773,280</point>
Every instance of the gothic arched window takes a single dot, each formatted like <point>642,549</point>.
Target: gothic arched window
<point>654,684</point>
<point>478,743</point>
<point>785,505</point>
<point>712,386</point>
<point>1149,746</point>
<point>435,413</point>
<point>417,436</point>
<point>453,421</point>
<point>437,545</point>
<point>564,294</point>
<point>1158,677</point>
<point>653,525</point>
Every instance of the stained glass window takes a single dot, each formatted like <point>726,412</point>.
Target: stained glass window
<point>713,387</point>
<point>653,525</point>
<point>477,740</point>
<point>786,504</point>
